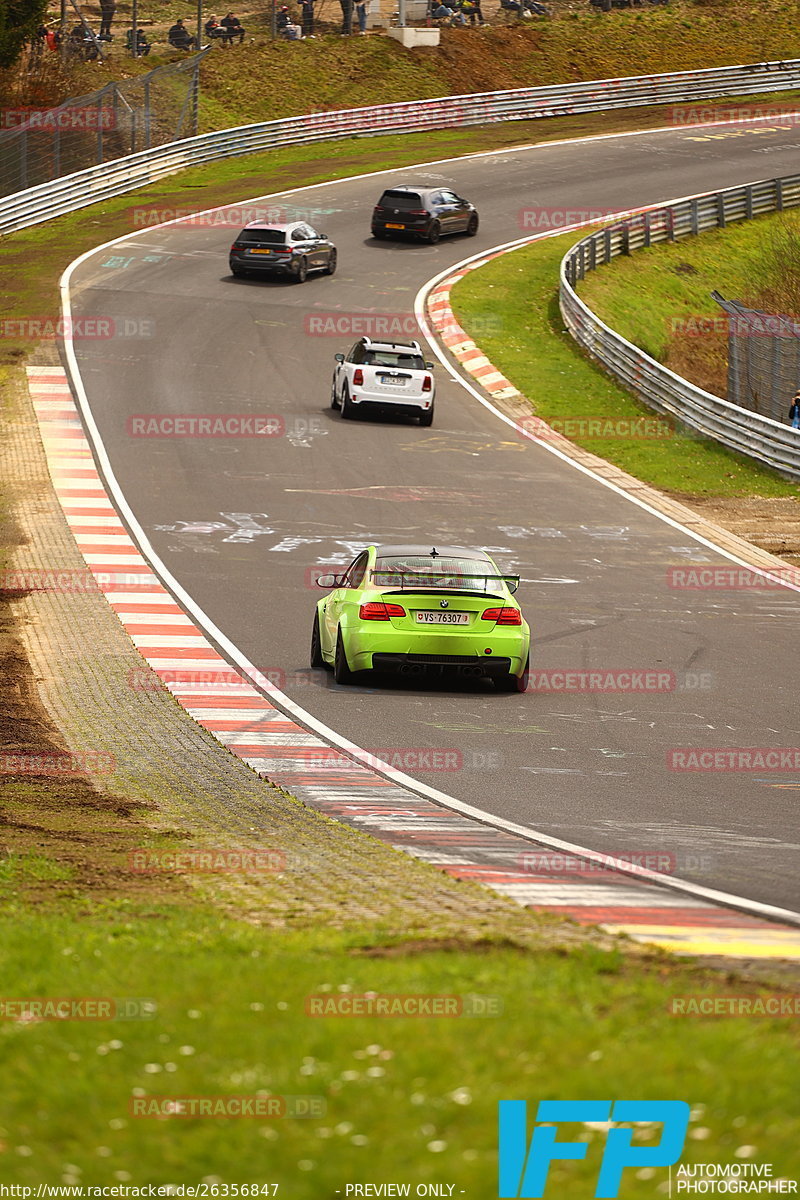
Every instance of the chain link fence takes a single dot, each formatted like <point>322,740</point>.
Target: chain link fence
<point>38,145</point>
<point>763,359</point>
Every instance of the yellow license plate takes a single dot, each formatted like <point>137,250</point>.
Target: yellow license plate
<point>388,226</point>
<point>261,252</point>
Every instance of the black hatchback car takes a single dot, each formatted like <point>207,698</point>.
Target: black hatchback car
<point>291,250</point>
<point>428,213</point>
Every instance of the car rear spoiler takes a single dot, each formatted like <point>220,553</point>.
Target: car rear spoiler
<point>414,580</point>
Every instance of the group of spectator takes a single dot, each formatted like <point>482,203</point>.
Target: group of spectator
<point>289,28</point>
<point>227,30</point>
<point>458,12</point>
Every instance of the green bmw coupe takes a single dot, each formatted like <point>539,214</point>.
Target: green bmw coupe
<point>422,609</point>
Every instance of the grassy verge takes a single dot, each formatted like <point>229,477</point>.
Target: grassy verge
<point>403,1099</point>
<point>515,300</point>
<point>678,280</point>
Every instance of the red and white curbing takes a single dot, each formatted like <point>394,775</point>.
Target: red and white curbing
<point>275,746</point>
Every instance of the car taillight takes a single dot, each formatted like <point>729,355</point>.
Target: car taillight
<point>427,383</point>
<point>235,246</point>
<point>417,212</point>
<point>376,610</point>
<point>358,378</point>
<point>503,616</point>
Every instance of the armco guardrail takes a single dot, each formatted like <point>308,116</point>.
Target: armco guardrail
<point>740,429</point>
<point>64,195</point>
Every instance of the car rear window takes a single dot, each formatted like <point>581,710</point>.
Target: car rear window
<point>400,200</point>
<point>390,358</point>
<point>420,570</point>
<point>268,237</point>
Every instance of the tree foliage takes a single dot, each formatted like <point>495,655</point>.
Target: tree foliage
<point>19,20</point>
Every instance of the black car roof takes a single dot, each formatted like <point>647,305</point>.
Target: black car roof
<point>441,551</point>
<point>410,187</point>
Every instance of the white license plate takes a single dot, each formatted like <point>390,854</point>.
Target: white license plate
<point>391,381</point>
<point>442,618</point>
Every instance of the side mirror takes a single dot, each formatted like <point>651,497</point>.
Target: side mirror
<point>329,581</point>
<point>339,357</point>
<point>428,366</point>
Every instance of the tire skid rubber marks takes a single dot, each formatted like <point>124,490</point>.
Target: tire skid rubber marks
<point>247,724</point>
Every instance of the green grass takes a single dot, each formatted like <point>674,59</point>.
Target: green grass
<point>678,279</point>
<point>513,302</point>
<point>19,867</point>
<point>406,1099</point>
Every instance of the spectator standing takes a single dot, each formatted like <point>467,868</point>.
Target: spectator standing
<point>794,411</point>
<point>107,10</point>
<point>361,13</point>
<point>307,17</point>
<point>347,16</point>
<point>231,23</point>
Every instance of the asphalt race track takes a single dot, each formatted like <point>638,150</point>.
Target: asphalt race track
<point>241,523</point>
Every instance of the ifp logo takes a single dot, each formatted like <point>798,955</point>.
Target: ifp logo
<point>524,1169</point>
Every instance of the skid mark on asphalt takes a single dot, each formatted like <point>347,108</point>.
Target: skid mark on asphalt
<point>276,747</point>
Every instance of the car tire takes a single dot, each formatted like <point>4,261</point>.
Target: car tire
<point>426,417</point>
<point>341,671</point>
<point>238,273</point>
<point>334,398</point>
<point>331,269</point>
<point>434,233</point>
<point>347,406</point>
<point>380,234</point>
<point>472,225</point>
<point>301,274</point>
<point>317,661</point>
<point>514,683</point>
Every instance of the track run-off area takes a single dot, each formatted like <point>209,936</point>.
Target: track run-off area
<point>238,528</point>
